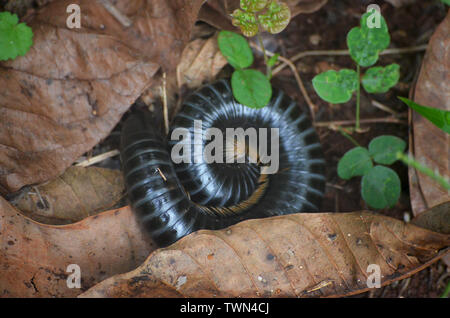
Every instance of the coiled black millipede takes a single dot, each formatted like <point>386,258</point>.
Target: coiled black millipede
<point>172,200</point>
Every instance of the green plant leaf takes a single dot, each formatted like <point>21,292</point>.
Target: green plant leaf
<point>380,79</point>
<point>355,162</point>
<point>251,88</point>
<point>253,5</point>
<point>380,187</point>
<point>235,48</point>
<point>383,149</point>
<point>246,21</point>
<point>447,2</point>
<point>271,62</point>
<point>15,38</point>
<point>365,43</point>
<point>276,18</point>
<point>336,87</point>
<point>439,117</point>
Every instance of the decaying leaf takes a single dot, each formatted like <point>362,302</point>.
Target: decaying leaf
<point>200,62</point>
<point>76,194</point>
<point>429,144</point>
<point>298,255</point>
<point>73,86</point>
<point>34,258</point>
<point>218,12</point>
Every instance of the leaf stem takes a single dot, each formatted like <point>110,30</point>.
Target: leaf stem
<point>266,59</point>
<point>352,140</point>
<point>410,161</point>
<point>358,93</point>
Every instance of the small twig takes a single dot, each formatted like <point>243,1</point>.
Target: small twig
<point>164,102</point>
<point>384,108</point>
<point>97,159</point>
<point>300,55</point>
<point>123,19</point>
<point>345,134</point>
<point>36,190</point>
<point>333,124</point>
<point>291,65</point>
<point>162,175</point>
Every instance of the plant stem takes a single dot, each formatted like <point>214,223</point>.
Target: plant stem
<point>410,161</point>
<point>357,98</point>
<point>266,59</point>
<point>353,141</point>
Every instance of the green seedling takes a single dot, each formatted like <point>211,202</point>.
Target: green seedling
<point>380,185</point>
<point>251,87</point>
<point>365,43</point>
<point>15,38</point>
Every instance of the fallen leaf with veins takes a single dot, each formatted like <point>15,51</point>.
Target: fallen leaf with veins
<point>78,193</point>
<point>429,144</point>
<point>73,86</point>
<point>34,257</point>
<point>298,255</point>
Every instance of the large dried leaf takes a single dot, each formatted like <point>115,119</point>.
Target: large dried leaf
<point>431,145</point>
<point>200,62</point>
<point>299,255</point>
<point>72,87</point>
<point>78,193</point>
<point>34,257</point>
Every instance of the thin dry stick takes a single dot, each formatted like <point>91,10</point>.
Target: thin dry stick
<point>391,120</point>
<point>291,65</point>
<point>384,108</point>
<point>123,19</point>
<point>300,55</point>
<point>164,101</point>
<point>97,159</point>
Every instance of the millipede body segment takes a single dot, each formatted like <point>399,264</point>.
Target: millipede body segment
<point>172,200</point>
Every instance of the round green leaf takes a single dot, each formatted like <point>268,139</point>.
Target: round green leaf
<point>355,162</point>
<point>276,18</point>
<point>251,88</point>
<point>380,79</point>
<point>366,42</point>
<point>235,48</point>
<point>383,149</point>
<point>15,39</point>
<point>246,21</point>
<point>336,87</point>
<point>380,187</point>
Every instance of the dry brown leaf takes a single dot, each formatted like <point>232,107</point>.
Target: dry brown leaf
<point>73,86</point>
<point>298,255</point>
<point>34,257</point>
<point>200,62</point>
<point>76,194</point>
<point>431,145</point>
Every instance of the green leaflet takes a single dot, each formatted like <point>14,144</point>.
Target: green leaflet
<point>383,149</point>
<point>380,79</point>
<point>355,162</point>
<point>251,88</point>
<point>15,38</point>
<point>380,187</point>
<point>336,87</point>
<point>235,48</point>
<point>364,42</point>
